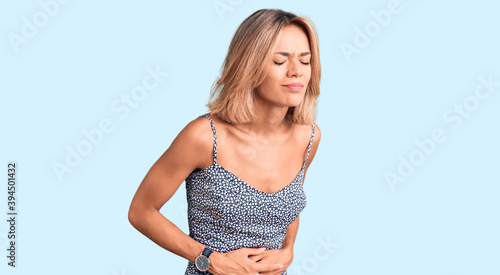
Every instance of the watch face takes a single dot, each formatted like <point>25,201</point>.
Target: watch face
<point>202,263</point>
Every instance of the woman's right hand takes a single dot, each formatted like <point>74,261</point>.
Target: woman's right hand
<point>237,262</point>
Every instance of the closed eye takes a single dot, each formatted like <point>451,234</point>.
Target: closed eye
<point>279,64</point>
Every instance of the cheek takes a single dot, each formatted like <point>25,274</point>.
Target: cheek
<point>309,71</point>
<point>275,77</point>
<point>308,75</point>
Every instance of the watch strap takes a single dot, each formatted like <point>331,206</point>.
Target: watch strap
<point>206,252</point>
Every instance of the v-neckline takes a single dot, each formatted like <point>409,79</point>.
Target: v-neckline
<point>250,186</point>
<point>247,184</point>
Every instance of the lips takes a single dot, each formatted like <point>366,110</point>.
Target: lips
<point>294,86</point>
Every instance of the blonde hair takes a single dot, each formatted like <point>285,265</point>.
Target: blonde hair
<point>247,63</point>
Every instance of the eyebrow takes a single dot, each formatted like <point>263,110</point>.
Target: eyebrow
<point>287,54</point>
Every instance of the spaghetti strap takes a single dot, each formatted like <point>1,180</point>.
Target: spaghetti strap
<point>309,147</point>
<point>215,137</point>
<point>226,213</point>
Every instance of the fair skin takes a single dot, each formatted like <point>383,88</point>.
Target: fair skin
<point>267,148</point>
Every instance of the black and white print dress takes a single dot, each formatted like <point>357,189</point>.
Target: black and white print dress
<point>225,213</point>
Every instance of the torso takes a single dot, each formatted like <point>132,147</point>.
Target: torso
<point>255,205</point>
<point>267,165</point>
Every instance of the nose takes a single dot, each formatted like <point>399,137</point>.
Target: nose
<point>294,69</point>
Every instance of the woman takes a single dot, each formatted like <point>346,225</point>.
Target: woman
<point>243,190</point>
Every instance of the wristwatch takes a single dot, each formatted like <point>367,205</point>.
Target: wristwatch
<point>202,262</point>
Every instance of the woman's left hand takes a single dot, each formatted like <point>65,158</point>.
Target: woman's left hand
<point>271,256</point>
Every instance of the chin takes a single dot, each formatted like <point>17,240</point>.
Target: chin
<point>295,101</point>
<point>293,104</point>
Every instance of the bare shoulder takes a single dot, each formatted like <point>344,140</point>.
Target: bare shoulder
<point>199,130</point>
<point>197,140</point>
<point>191,149</point>
<point>314,145</point>
<point>317,136</point>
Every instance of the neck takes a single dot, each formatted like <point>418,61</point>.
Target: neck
<point>269,120</point>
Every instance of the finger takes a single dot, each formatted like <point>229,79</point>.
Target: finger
<point>255,258</point>
<point>254,251</point>
<point>269,267</point>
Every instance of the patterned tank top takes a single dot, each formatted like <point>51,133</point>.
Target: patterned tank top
<point>225,213</point>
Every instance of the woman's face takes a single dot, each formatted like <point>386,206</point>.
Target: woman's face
<point>286,81</point>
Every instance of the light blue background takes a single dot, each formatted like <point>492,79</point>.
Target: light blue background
<point>443,219</point>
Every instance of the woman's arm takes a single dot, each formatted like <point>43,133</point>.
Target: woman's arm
<point>191,149</point>
<point>161,182</point>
